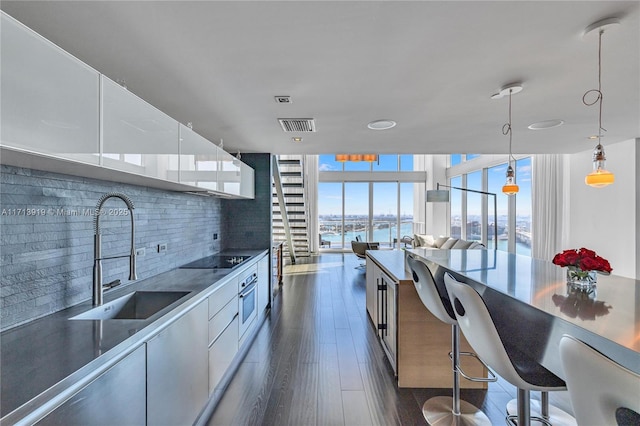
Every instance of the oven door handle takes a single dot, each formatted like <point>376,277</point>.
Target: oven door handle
<point>249,289</point>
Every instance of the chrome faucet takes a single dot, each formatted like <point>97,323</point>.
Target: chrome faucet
<point>98,287</point>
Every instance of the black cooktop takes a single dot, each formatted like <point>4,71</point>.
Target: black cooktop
<point>217,261</point>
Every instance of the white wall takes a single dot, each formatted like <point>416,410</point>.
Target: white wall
<point>432,218</point>
<point>606,219</point>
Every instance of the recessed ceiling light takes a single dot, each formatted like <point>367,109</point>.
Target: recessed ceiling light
<point>548,124</point>
<point>381,124</point>
<point>296,139</point>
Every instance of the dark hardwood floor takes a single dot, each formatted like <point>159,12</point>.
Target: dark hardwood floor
<point>316,360</point>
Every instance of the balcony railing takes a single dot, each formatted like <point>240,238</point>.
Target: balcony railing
<point>383,231</point>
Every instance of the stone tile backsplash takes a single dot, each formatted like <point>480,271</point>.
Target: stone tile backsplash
<point>46,237</point>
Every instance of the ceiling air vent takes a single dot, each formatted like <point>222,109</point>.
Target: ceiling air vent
<point>297,124</point>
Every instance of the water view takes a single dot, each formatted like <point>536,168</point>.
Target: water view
<point>386,233</point>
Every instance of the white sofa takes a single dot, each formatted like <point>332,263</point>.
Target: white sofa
<point>444,243</point>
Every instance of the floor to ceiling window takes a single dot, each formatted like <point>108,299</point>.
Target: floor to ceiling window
<point>495,181</point>
<point>356,211</point>
<point>385,213</point>
<point>456,208</point>
<point>330,210</point>
<point>474,207</point>
<point>523,207</point>
<point>355,201</point>
<point>476,211</point>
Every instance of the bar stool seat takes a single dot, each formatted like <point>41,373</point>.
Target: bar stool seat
<point>602,392</point>
<point>513,365</point>
<point>445,410</point>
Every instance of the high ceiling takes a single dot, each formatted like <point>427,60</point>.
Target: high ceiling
<point>429,65</point>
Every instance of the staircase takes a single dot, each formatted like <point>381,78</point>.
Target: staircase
<point>291,172</point>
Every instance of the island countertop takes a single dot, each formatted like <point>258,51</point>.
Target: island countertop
<point>610,322</point>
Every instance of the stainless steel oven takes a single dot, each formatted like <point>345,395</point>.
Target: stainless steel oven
<point>247,301</point>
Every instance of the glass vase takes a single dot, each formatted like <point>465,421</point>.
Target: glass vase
<point>578,279</point>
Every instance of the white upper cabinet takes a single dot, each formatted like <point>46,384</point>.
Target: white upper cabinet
<point>137,137</point>
<point>49,98</point>
<point>247,183</point>
<point>198,160</point>
<point>55,108</point>
<point>229,173</point>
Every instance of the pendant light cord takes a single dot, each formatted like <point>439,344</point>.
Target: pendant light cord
<point>598,91</point>
<point>506,129</point>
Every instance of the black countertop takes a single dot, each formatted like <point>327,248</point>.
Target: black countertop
<point>41,355</point>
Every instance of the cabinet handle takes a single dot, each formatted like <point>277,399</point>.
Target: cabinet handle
<point>224,329</point>
<point>382,317</point>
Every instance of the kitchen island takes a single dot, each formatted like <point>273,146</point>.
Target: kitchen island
<point>47,361</point>
<point>415,342</point>
<point>531,305</point>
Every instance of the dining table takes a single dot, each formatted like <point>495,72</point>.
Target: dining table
<point>533,306</point>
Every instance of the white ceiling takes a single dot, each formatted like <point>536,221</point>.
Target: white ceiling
<point>429,65</point>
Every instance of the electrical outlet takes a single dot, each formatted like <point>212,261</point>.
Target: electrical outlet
<point>215,236</point>
<point>162,247</point>
<point>140,252</point>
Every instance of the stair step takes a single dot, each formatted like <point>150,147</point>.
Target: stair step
<point>295,228</point>
<point>291,174</point>
<point>290,194</point>
<point>286,162</point>
<point>290,204</point>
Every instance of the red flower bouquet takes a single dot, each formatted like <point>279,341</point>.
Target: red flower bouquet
<point>582,260</point>
<point>582,266</point>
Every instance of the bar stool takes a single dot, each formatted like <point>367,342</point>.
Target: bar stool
<point>443,409</point>
<point>515,367</point>
<point>602,392</point>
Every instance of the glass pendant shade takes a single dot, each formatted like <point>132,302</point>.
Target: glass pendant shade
<point>599,177</point>
<point>510,187</point>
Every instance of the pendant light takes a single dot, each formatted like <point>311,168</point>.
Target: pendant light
<point>599,177</point>
<point>510,187</point>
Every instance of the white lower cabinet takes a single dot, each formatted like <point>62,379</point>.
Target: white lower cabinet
<point>222,351</point>
<point>119,393</point>
<point>223,331</point>
<point>177,365</point>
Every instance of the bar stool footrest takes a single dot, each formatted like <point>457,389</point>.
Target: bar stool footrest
<point>557,416</point>
<point>492,377</point>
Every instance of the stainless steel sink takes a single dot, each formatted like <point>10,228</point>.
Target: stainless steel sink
<point>138,305</point>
